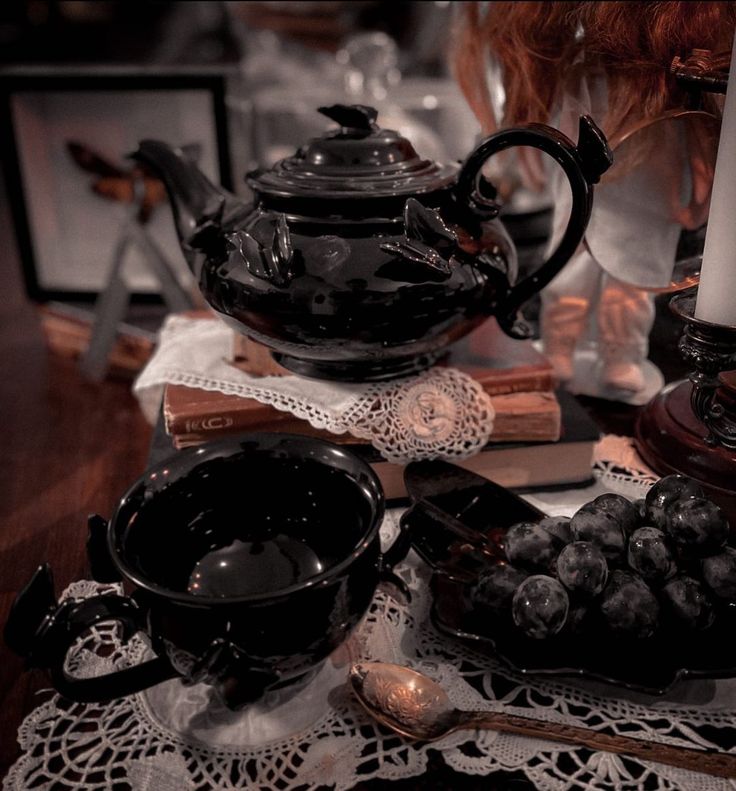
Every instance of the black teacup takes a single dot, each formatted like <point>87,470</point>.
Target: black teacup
<point>251,560</point>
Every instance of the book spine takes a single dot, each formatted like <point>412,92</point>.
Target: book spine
<point>535,413</point>
<point>228,421</point>
<point>185,440</point>
<point>522,467</point>
<point>520,417</point>
<point>532,382</point>
<point>526,417</point>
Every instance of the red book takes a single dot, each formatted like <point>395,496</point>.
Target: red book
<point>192,416</point>
<point>517,377</point>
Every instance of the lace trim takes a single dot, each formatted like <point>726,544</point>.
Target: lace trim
<point>617,464</point>
<point>442,413</point>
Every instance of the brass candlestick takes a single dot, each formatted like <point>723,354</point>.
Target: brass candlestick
<point>690,426</point>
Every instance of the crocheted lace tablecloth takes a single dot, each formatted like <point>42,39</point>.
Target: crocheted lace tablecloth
<point>174,737</point>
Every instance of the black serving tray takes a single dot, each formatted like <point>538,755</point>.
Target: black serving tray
<point>652,666</point>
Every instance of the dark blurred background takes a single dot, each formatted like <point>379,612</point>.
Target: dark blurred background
<point>75,31</point>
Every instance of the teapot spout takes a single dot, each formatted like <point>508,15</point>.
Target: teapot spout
<point>203,212</point>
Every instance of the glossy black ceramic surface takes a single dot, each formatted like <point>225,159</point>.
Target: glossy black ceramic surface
<point>458,518</point>
<point>651,666</point>
<point>358,259</point>
<point>250,560</point>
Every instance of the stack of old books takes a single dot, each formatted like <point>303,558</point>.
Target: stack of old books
<point>540,438</point>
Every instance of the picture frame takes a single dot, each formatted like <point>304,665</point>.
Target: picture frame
<point>65,230</point>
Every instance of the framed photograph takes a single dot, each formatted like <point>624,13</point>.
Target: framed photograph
<point>65,135</point>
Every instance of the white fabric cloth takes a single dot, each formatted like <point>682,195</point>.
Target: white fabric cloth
<point>195,352</point>
<point>175,738</point>
<point>639,204</point>
<point>441,413</point>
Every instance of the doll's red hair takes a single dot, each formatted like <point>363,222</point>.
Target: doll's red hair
<point>539,44</point>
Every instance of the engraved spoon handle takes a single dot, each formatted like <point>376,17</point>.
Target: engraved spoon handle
<point>706,761</point>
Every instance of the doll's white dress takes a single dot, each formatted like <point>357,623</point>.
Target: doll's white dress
<point>602,299</point>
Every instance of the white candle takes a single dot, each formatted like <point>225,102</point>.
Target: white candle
<point>717,290</point>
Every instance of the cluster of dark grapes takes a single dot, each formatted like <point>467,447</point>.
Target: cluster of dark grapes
<point>626,567</point>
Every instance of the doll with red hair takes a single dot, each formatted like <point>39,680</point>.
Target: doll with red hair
<point>611,60</point>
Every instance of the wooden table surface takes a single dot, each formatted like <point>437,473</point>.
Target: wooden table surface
<point>70,448</point>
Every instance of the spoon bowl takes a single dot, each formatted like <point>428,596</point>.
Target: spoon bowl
<point>416,707</point>
<point>408,702</point>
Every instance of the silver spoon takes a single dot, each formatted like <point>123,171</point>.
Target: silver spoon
<point>418,708</point>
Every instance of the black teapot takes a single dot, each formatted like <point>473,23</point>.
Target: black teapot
<point>358,260</point>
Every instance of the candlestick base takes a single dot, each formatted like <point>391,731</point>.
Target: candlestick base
<point>690,427</point>
<point>670,439</point>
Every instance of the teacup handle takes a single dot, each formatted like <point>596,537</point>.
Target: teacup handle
<point>582,164</point>
<point>42,631</point>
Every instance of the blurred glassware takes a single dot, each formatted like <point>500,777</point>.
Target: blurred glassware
<point>371,62</point>
<point>372,77</point>
<point>298,56</point>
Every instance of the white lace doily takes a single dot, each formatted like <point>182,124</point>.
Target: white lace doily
<point>441,413</point>
<point>174,738</point>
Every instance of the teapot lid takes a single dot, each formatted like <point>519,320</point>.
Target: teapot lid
<point>359,160</point>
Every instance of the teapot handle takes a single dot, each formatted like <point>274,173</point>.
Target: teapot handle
<point>583,165</point>
<point>42,631</point>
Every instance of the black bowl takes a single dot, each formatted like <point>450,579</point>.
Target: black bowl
<point>250,561</point>
<point>204,526</point>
